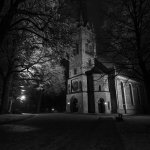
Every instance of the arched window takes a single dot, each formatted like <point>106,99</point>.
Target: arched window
<point>131,94</point>
<point>75,48</point>
<point>138,94</point>
<point>122,92</point>
<point>75,71</point>
<point>123,97</point>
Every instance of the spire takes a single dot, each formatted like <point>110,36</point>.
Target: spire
<point>81,13</point>
<point>81,23</point>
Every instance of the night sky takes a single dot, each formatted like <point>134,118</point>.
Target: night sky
<point>95,15</point>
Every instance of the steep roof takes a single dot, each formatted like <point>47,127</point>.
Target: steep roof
<point>102,65</point>
<point>100,68</point>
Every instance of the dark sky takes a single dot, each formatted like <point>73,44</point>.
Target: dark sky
<point>95,15</point>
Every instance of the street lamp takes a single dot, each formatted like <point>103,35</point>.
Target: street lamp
<point>23,97</point>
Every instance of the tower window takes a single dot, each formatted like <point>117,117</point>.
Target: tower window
<point>86,47</point>
<point>75,48</point>
<point>75,71</point>
<point>90,48</point>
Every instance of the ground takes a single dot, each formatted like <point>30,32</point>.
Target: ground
<point>9,118</point>
<point>56,131</point>
<point>135,132</point>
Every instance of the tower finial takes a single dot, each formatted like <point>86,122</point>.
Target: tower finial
<point>81,19</point>
<point>81,12</point>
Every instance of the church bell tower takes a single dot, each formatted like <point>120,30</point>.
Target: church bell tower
<point>81,60</point>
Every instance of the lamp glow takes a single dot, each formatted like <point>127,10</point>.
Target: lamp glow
<point>23,97</point>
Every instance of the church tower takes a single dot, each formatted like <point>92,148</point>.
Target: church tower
<point>81,61</point>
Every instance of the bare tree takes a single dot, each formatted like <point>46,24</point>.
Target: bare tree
<point>39,17</point>
<point>27,26</point>
<point>126,40</point>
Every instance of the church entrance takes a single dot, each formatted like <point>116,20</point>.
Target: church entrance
<point>101,105</point>
<point>74,105</point>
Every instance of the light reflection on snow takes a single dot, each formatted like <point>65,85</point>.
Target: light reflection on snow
<point>18,128</point>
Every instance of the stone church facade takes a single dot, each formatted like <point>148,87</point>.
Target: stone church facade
<point>94,86</point>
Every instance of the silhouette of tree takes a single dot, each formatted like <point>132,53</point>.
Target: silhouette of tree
<point>39,28</point>
<point>126,41</point>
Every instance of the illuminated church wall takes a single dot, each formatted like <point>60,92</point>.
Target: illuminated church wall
<point>134,95</point>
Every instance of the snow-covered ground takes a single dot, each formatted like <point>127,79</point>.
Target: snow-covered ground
<point>135,132</point>
<point>8,118</point>
<point>77,132</point>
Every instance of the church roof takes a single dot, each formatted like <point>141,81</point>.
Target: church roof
<point>105,62</point>
<point>100,68</point>
<point>103,65</point>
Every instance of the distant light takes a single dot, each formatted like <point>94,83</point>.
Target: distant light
<point>105,103</point>
<point>23,97</point>
<point>52,109</point>
<point>68,103</point>
<point>22,90</point>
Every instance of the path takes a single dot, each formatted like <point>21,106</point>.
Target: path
<point>61,132</point>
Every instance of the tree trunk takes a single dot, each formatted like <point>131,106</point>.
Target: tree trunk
<point>39,102</point>
<point>146,79</point>
<point>10,104</point>
<point>5,94</point>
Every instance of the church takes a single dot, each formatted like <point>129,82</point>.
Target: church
<point>95,86</point>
